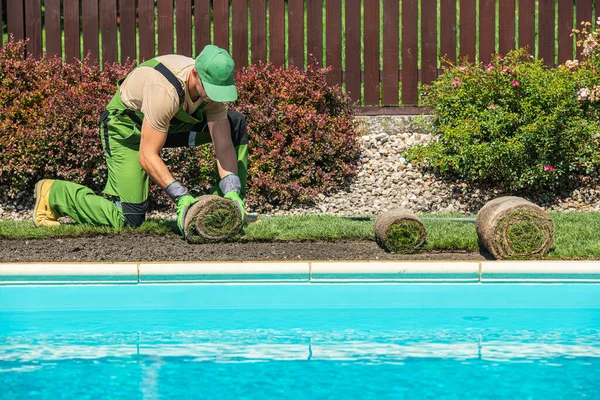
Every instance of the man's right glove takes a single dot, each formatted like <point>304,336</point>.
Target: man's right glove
<point>231,186</point>
<point>236,198</point>
<point>183,205</point>
<point>179,194</point>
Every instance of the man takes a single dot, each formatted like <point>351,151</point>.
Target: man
<point>169,101</point>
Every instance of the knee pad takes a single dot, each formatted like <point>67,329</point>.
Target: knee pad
<point>134,214</point>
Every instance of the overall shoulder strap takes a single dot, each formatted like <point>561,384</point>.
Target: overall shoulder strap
<point>167,74</point>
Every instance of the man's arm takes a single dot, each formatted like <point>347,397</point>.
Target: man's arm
<point>220,132</point>
<point>151,143</point>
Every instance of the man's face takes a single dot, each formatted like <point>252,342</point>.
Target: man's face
<point>200,88</point>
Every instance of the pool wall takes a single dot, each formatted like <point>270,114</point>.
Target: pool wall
<point>302,284</point>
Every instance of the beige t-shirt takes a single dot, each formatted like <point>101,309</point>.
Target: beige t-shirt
<point>147,90</point>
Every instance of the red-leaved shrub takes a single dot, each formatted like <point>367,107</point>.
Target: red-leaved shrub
<point>302,134</point>
<point>49,114</point>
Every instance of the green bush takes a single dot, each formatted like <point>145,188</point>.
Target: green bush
<point>302,138</point>
<point>513,124</point>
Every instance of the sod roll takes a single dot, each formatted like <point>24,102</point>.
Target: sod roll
<point>212,218</point>
<point>511,227</point>
<point>399,231</point>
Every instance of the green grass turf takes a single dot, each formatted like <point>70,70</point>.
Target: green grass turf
<point>576,235</point>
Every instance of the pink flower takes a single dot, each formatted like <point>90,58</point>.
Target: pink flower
<point>492,107</point>
<point>515,83</point>
<point>583,94</point>
<point>489,67</point>
<point>462,68</point>
<point>504,70</point>
<point>500,57</point>
<point>548,168</point>
<point>456,82</point>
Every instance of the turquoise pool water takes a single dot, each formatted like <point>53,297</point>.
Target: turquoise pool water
<point>300,341</point>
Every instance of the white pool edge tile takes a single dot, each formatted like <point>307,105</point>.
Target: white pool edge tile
<point>68,269</point>
<point>307,271</point>
<point>540,266</point>
<point>396,267</point>
<point>154,271</point>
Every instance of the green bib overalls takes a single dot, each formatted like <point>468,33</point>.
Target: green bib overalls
<point>127,184</point>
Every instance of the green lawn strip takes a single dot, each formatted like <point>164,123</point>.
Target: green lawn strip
<point>576,235</point>
<point>26,230</point>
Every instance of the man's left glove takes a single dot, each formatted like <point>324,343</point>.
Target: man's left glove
<point>231,186</point>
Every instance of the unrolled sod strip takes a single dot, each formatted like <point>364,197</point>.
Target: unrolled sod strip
<point>212,218</point>
<point>511,227</point>
<point>399,231</point>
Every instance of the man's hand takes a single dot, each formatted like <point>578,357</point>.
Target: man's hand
<point>183,205</point>
<point>234,196</point>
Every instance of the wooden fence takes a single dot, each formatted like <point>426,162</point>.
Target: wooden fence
<point>385,56</point>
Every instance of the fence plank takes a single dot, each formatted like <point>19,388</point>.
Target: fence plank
<point>202,16</point>
<point>468,32</point>
<point>390,52</point>
<point>296,33</point>
<point>127,29</point>
<point>428,41</point>
<point>277,32</point>
<point>221,23</point>
<point>239,17</point>
<point>33,27</point>
<point>352,54</point>
<point>371,55</point>
<point>108,26</point>
<point>546,31</point>
<point>258,30</point>
<point>507,26</point>
<point>71,27</point>
<point>583,14</point>
<point>409,52</point>
<point>487,30</point>
<point>89,18</point>
<point>527,25</point>
<point>15,23</point>
<point>314,22</point>
<point>565,26</point>
<point>165,26</point>
<point>52,23</point>
<point>146,29</point>
<point>334,41</point>
<point>183,27</point>
<point>448,29</point>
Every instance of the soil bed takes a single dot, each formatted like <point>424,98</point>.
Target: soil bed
<point>150,247</point>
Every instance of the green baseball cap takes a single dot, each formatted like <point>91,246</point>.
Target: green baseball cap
<point>215,67</point>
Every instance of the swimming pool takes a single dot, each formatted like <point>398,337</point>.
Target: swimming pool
<point>300,340</point>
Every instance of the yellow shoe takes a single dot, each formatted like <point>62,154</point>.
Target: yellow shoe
<point>42,216</point>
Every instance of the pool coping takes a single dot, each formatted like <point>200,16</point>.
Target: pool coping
<point>478,272</point>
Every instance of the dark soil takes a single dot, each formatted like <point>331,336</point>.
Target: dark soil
<point>150,247</point>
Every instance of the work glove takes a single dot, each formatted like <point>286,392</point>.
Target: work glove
<point>234,196</point>
<point>180,196</point>
<point>183,205</point>
<point>231,186</point>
